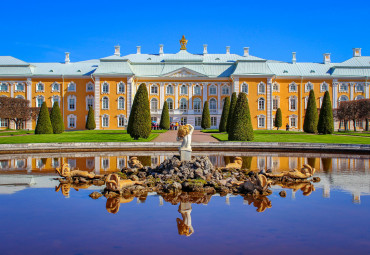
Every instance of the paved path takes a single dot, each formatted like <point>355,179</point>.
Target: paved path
<point>170,136</point>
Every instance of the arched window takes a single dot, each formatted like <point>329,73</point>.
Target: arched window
<point>261,104</point>
<point>183,104</point>
<point>105,103</point>
<point>308,87</point>
<point>184,90</point>
<point>213,105</point>
<point>197,104</point>
<point>4,87</point>
<point>261,88</point>
<point>120,88</point>
<point>20,97</point>
<point>105,87</point>
<point>170,103</point>
<point>343,98</point>
<point>324,87</point>
<point>275,87</point>
<point>121,120</point>
<point>359,87</point>
<point>71,103</point>
<point>40,87</point>
<point>213,90</point>
<point>197,90</point>
<point>154,104</point>
<point>72,86</point>
<point>121,103</point>
<point>245,88</point>
<point>225,90</point>
<point>55,99</point>
<point>359,97</point>
<point>89,102</point>
<point>89,86</point>
<point>261,121</point>
<point>72,121</point>
<point>343,87</point>
<point>275,102</point>
<point>105,120</point>
<point>154,89</point>
<point>292,103</point>
<point>169,90</point>
<point>19,87</point>
<point>39,101</point>
<point>293,87</point>
<point>55,87</point>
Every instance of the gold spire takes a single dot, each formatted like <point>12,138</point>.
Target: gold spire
<point>183,43</point>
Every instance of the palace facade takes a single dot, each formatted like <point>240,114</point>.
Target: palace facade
<point>185,81</point>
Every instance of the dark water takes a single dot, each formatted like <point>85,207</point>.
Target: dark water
<point>332,218</point>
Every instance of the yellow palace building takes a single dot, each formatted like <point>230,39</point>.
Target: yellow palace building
<point>185,80</point>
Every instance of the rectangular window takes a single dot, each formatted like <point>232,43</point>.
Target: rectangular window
<point>121,163</point>
<point>4,122</point>
<point>198,121</point>
<point>184,120</point>
<point>72,122</point>
<point>71,104</point>
<point>72,163</point>
<point>90,102</point>
<point>213,121</point>
<point>275,104</point>
<point>105,163</point>
<point>105,122</point>
<point>293,122</point>
<point>121,121</point>
<point>261,122</point>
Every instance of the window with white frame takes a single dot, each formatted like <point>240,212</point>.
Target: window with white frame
<point>225,90</point>
<point>293,121</point>
<point>213,121</point>
<point>55,162</point>
<point>105,103</point>
<point>261,162</point>
<point>89,86</point>
<point>89,102</point>
<point>19,87</point>
<point>197,104</point>
<point>213,90</point>
<point>72,86</point>
<point>308,87</point>
<point>293,162</point>
<point>359,87</point>
<point>90,163</point>
<point>321,99</point>
<point>4,87</point>
<point>121,120</point>
<point>71,103</point>
<point>20,97</point>
<point>39,163</point>
<point>121,103</point>
<point>40,87</point>
<point>359,97</point>
<point>120,88</point>
<point>183,90</point>
<point>39,101</point>
<point>154,89</point>
<point>245,88</point>
<point>197,90</point>
<point>72,163</point>
<point>55,87</point>
<point>170,103</point>
<point>261,121</point>
<point>169,90</point>
<point>105,163</point>
<point>55,99</point>
<point>293,87</point>
<point>72,119</point>
<point>305,102</point>
<point>343,98</point>
<point>261,88</point>
<point>293,103</point>
<point>198,121</point>
<point>154,104</point>
<point>184,121</point>
<point>105,120</point>
<point>20,163</point>
<point>105,88</point>
<point>343,87</point>
<point>183,104</point>
<point>275,87</point>
<point>4,123</point>
<point>324,87</point>
<point>275,103</point>
<point>261,104</point>
<point>213,105</point>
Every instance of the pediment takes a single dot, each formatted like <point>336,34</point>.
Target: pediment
<point>183,73</point>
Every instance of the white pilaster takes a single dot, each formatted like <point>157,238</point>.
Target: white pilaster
<point>29,164</point>
<point>29,98</point>
<point>335,93</point>
<point>352,89</point>
<point>219,97</point>
<point>12,84</point>
<point>161,95</point>
<point>97,165</point>
<point>269,103</point>
<point>190,96</point>
<point>367,90</point>
<point>129,95</point>
<point>176,96</point>
<point>205,89</point>
<point>236,86</point>
<point>97,102</point>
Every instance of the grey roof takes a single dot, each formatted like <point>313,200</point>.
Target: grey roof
<point>252,68</point>
<point>84,68</point>
<point>11,61</point>
<point>114,68</point>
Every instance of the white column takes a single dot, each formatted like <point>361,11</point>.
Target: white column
<point>29,98</point>
<point>367,90</point>
<point>190,96</point>
<point>129,95</point>
<point>352,89</point>
<point>236,86</point>
<point>335,93</point>
<point>29,164</point>
<point>97,102</point>
<point>161,95</point>
<point>219,98</point>
<point>176,96</point>
<point>97,165</point>
<point>11,85</point>
<point>269,103</point>
<point>205,89</point>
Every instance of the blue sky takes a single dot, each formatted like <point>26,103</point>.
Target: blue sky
<point>42,31</point>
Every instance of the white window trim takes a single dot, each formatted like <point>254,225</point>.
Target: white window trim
<point>296,103</point>
<point>21,90</point>
<point>173,89</point>
<point>321,87</point>
<point>173,103</point>
<point>306,86</point>
<point>215,118</point>
<point>7,86</point>
<point>68,120</point>
<point>124,120</point>
<point>151,100</point>
<point>102,86</point>
<point>75,98</point>
<point>295,86</point>
<point>296,121</point>
<point>43,100</point>
<point>52,87</point>
<point>258,121</point>
<point>361,97</point>
<point>124,87</point>
<point>102,165</point>
<point>72,90</point>
<point>102,99</point>
<point>209,105</point>
<point>87,86</point>
<point>197,99</point>
<point>341,90</point>
<point>241,87</point>
<point>102,122</point>
<point>86,101</point>
<point>52,99</point>
<point>154,86</point>
<point>37,87</point>
<point>259,92</point>
<point>222,90</point>
<point>359,91</point>
<point>124,103</point>
<point>258,104</point>
<point>19,96</point>
<point>278,87</point>
<point>200,90</point>
<point>209,90</point>
<point>278,104</point>
<point>187,90</point>
<point>343,100</point>
<point>187,104</point>
<point>305,102</point>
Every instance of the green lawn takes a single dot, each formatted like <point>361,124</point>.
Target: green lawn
<point>298,137</point>
<point>15,132</point>
<point>210,131</point>
<point>79,136</point>
<point>365,133</point>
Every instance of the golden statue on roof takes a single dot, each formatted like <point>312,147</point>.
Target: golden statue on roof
<point>183,43</point>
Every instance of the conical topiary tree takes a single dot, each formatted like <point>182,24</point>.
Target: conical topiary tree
<point>90,121</point>
<point>311,117</point>
<point>56,119</point>
<point>278,119</point>
<point>139,123</point>
<point>206,116</point>
<point>231,111</point>
<point>242,129</point>
<point>326,121</point>
<point>165,117</point>
<point>43,125</point>
<point>225,114</point>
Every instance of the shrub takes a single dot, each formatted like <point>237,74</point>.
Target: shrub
<point>326,122</point>
<point>206,116</point>
<point>278,119</point>
<point>43,125</point>
<point>139,124</point>
<point>90,121</point>
<point>242,129</point>
<point>225,114</point>
<point>231,111</point>
<point>56,119</point>
<point>165,117</point>
<point>311,117</point>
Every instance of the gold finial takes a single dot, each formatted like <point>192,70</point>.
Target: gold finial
<point>183,43</point>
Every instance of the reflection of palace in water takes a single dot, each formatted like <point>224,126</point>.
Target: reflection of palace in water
<point>349,173</point>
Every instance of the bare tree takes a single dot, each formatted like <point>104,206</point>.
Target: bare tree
<point>15,109</point>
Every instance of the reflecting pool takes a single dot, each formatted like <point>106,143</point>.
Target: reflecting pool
<point>39,215</point>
